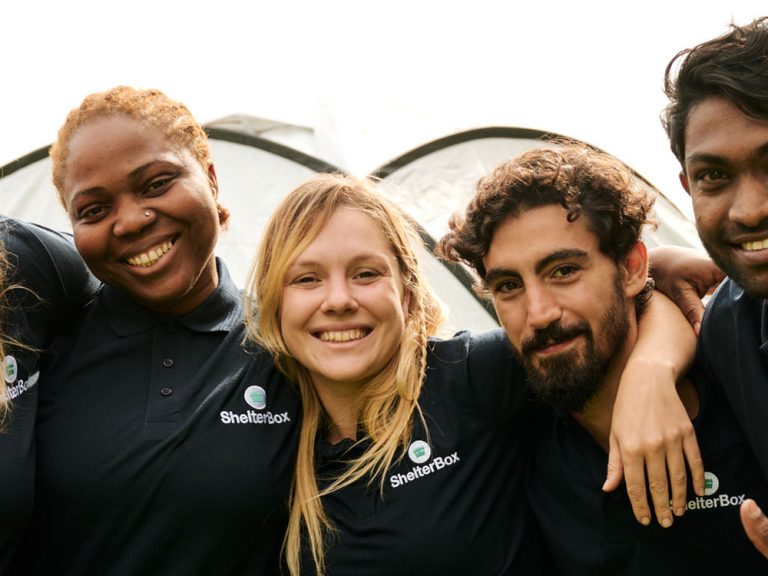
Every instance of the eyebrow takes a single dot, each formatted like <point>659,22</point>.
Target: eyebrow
<point>133,175</point>
<point>564,254</point>
<point>718,159</point>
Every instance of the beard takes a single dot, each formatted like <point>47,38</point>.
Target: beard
<point>567,382</point>
<point>753,281</point>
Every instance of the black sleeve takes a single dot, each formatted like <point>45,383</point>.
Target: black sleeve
<point>48,279</point>
<point>496,377</point>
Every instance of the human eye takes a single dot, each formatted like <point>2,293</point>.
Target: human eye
<point>710,178</point>
<point>159,185</point>
<point>91,213</point>
<point>304,280</point>
<point>565,271</point>
<point>507,286</point>
<point>367,275</point>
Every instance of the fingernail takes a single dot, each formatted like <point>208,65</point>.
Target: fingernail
<point>680,510</point>
<point>645,521</point>
<point>666,522</point>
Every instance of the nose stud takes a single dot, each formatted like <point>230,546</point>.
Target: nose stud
<point>146,213</point>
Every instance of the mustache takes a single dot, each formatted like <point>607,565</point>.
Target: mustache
<point>732,229</point>
<point>552,334</point>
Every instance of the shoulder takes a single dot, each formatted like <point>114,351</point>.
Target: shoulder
<point>465,345</point>
<point>46,279</point>
<point>39,256</point>
<point>729,309</point>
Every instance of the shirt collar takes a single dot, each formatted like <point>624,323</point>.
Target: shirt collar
<point>221,312</point>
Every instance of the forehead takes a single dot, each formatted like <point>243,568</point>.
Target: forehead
<point>347,233</point>
<point>112,146</point>
<point>717,128</point>
<point>521,241</point>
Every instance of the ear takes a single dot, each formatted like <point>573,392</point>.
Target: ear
<point>684,181</point>
<point>406,303</point>
<point>214,184</point>
<point>213,181</point>
<point>634,269</point>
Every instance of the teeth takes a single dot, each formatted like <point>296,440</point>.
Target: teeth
<point>149,258</point>
<point>757,245</point>
<point>342,335</point>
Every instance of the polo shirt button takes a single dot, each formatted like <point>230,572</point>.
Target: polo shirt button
<point>168,362</point>
<point>166,391</point>
<point>170,328</point>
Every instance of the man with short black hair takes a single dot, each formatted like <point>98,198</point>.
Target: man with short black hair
<point>717,123</point>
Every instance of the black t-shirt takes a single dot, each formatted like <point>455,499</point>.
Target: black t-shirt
<point>163,446</point>
<point>734,348</point>
<point>49,284</point>
<point>455,503</point>
<point>592,533</point>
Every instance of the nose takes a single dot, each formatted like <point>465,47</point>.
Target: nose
<point>131,218</point>
<point>338,297</point>
<point>541,307</point>
<point>750,201</point>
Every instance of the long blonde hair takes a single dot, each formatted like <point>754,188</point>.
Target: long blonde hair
<point>389,402</point>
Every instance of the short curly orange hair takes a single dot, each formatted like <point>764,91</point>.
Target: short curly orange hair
<point>151,107</point>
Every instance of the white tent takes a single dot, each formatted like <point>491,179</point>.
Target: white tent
<point>258,161</point>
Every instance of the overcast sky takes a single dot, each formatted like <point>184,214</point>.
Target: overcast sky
<point>387,76</point>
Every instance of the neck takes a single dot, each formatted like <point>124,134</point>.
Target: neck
<point>340,402</point>
<point>598,414</point>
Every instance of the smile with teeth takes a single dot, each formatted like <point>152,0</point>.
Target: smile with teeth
<point>343,335</point>
<point>756,245</point>
<point>150,257</point>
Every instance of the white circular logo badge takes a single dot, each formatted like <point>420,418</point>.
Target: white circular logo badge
<point>256,397</point>
<point>711,483</point>
<point>419,451</point>
<point>10,369</point>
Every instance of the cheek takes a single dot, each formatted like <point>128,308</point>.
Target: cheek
<point>293,317</point>
<point>89,246</point>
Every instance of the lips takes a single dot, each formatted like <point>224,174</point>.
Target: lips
<point>150,257</point>
<point>342,335</point>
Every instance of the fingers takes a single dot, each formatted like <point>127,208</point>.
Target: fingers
<point>690,303</point>
<point>615,472</point>
<point>695,462</point>
<point>659,488</point>
<point>634,476</point>
<point>678,479</point>
<point>755,525</point>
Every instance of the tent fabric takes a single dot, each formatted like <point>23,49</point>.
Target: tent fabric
<point>258,162</point>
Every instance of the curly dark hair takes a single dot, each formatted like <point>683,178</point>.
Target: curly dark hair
<point>732,66</point>
<point>577,177</point>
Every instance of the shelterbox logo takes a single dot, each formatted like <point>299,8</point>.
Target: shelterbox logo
<point>420,452</point>
<point>710,499</point>
<point>255,397</point>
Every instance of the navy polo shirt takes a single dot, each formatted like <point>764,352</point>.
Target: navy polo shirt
<point>734,348</point>
<point>592,533</point>
<point>163,446</point>
<point>455,504</point>
<point>49,283</point>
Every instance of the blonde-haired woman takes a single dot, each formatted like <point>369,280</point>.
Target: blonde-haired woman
<point>411,452</point>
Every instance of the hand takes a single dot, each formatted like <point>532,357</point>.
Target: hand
<point>651,431</point>
<point>685,275</point>
<point>652,435</point>
<point>755,525</point>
